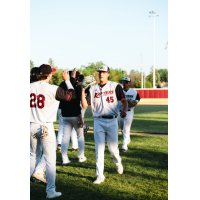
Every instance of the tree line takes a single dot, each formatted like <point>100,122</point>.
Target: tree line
<point>116,75</point>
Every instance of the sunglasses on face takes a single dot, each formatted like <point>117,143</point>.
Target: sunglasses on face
<point>125,82</point>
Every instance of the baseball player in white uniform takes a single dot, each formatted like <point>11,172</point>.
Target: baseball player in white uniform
<point>103,98</point>
<point>44,101</point>
<point>38,173</point>
<point>125,123</point>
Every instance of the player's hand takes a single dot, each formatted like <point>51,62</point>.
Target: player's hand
<point>65,75</point>
<point>73,73</point>
<point>123,114</point>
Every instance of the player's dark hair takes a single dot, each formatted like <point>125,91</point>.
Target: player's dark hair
<point>42,76</point>
<point>33,78</point>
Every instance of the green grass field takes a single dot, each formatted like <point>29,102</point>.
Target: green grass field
<point>145,173</point>
<point>145,163</point>
<point>147,119</point>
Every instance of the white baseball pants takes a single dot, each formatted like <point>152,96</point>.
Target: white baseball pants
<point>60,129</point>
<point>41,166</point>
<point>105,128</point>
<point>125,125</point>
<point>68,124</point>
<point>74,139</point>
<point>49,150</point>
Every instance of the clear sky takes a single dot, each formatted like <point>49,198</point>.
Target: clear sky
<point>117,32</point>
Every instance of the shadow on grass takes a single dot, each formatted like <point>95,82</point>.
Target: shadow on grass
<point>84,190</point>
<point>75,180</point>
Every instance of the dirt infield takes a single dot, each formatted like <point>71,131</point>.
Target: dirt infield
<point>152,104</point>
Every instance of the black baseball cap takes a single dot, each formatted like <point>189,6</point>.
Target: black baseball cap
<point>46,69</point>
<point>34,70</point>
<point>77,74</point>
<point>81,77</point>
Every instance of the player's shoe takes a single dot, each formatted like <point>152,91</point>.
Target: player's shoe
<point>99,180</point>
<point>82,159</point>
<point>73,150</point>
<point>65,163</point>
<point>86,130</point>
<point>124,150</point>
<point>59,148</point>
<point>40,177</point>
<point>120,169</point>
<point>53,195</point>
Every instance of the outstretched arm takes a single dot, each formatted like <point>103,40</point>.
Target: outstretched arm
<point>83,99</point>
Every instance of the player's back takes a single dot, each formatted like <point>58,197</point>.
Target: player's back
<point>43,104</point>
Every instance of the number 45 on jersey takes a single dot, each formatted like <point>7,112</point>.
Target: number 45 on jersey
<point>109,99</point>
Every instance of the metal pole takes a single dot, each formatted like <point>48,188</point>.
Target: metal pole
<point>153,13</point>
<point>154,51</point>
<point>141,74</point>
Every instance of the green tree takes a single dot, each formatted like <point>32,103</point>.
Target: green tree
<point>115,74</point>
<point>163,74</point>
<point>148,84</point>
<point>56,76</point>
<point>135,76</point>
<point>157,77</point>
<point>91,69</point>
<point>31,64</point>
<point>137,84</point>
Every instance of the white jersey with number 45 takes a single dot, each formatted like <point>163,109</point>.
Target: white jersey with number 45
<point>43,104</point>
<point>104,100</point>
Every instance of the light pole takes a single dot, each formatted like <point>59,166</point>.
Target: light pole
<point>153,15</point>
<point>141,74</point>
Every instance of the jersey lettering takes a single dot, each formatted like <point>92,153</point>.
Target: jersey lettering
<point>110,100</point>
<point>32,100</point>
<point>98,95</point>
<point>40,100</point>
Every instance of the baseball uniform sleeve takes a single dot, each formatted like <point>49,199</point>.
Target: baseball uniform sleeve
<point>119,92</point>
<point>72,80</point>
<point>137,97</point>
<point>65,94</point>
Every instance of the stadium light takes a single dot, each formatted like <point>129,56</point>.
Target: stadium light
<point>153,15</point>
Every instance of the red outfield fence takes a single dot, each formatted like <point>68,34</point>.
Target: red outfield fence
<point>152,93</point>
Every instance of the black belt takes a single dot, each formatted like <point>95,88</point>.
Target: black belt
<point>108,117</point>
<point>127,110</point>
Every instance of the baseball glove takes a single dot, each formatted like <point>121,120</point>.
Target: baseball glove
<point>87,81</point>
<point>132,103</point>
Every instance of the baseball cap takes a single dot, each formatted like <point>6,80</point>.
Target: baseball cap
<point>77,74</point>
<point>81,77</point>
<point>104,68</point>
<point>126,79</point>
<point>46,69</point>
<point>34,70</point>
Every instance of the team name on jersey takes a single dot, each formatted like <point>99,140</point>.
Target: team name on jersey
<point>98,95</point>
